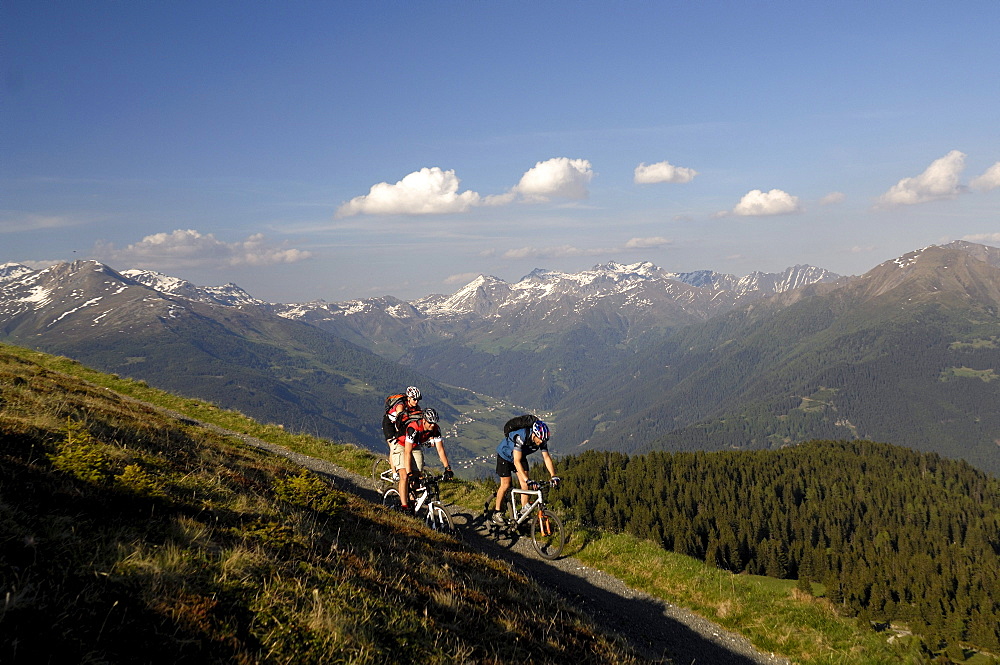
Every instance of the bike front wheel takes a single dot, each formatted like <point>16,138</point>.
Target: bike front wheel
<point>547,534</point>
<point>440,520</point>
<point>380,466</point>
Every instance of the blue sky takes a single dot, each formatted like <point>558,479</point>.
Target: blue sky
<point>339,150</point>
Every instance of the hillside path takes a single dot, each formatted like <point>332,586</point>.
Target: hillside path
<point>658,631</point>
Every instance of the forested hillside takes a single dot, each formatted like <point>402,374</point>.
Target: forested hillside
<point>908,354</point>
<point>892,534</point>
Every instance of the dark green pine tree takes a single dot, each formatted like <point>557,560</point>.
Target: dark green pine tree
<point>805,574</point>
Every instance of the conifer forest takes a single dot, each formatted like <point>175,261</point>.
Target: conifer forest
<point>892,535</point>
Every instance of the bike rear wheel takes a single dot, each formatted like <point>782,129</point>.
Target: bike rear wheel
<point>380,465</point>
<point>547,534</point>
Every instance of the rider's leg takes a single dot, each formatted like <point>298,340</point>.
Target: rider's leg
<point>416,466</point>
<point>404,476</point>
<point>396,458</point>
<point>501,493</point>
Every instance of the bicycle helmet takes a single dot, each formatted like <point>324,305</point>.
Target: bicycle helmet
<point>430,415</point>
<point>541,430</point>
<point>414,392</point>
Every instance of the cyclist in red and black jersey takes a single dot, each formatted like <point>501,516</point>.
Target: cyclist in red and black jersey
<point>421,430</point>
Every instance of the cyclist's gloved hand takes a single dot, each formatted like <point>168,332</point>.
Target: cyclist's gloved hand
<point>448,473</point>
<point>532,485</point>
<point>555,481</point>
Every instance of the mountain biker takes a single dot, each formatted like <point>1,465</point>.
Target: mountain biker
<point>394,420</point>
<point>511,454</point>
<point>421,430</point>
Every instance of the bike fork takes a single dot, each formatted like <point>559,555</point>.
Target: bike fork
<point>544,524</point>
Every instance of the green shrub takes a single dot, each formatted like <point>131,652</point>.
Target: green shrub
<point>309,491</point>
<point>79,455</point>
<point>136,479</point>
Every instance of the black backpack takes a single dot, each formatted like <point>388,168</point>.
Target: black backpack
<point>519,422</point>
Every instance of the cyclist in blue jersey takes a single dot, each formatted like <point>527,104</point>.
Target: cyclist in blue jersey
<point>511,454</point>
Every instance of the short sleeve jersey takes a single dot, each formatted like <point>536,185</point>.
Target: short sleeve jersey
<point>418,434</point>
<point>519,440</point>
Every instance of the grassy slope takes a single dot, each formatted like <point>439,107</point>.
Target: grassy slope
<point>127,536</point>
<point>768,612</point>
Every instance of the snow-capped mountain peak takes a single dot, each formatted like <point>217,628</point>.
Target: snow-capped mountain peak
<point>11,271</point>
<point>229,294</point>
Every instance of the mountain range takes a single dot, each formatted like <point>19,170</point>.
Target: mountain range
<point>628,357</point>
<point>211,343</point>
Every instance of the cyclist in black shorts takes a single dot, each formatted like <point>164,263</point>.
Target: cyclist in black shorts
<point>511,454</point>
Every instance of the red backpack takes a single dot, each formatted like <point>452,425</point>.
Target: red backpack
<point>392,400</point>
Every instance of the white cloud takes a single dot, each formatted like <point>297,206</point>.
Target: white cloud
<point>832,198</point>
<point>189,248</point>
<point>663,172</point>
<point>983,237</point>
<point>939,181</point>
<point>435,191</point>
<point>757,203</point>
<point>461,278</point>
<point>557,177</point>
<point>40,264</point>
<point>423,192</point>
<point>988,180</point>
<point>646,243</point>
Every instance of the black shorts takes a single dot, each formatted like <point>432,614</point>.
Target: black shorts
<point>504,467</point>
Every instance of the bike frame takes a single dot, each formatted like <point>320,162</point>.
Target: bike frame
<point>424,497</point>
<point>522,514</point>
<point>547,533</point>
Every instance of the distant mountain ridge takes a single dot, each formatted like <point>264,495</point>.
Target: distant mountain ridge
<point>622,356</point>
<point>550,332</point>
<point>637,286</point>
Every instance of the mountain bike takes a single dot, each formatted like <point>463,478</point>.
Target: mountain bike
<point>547,535</point>
<point>425,498</point>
